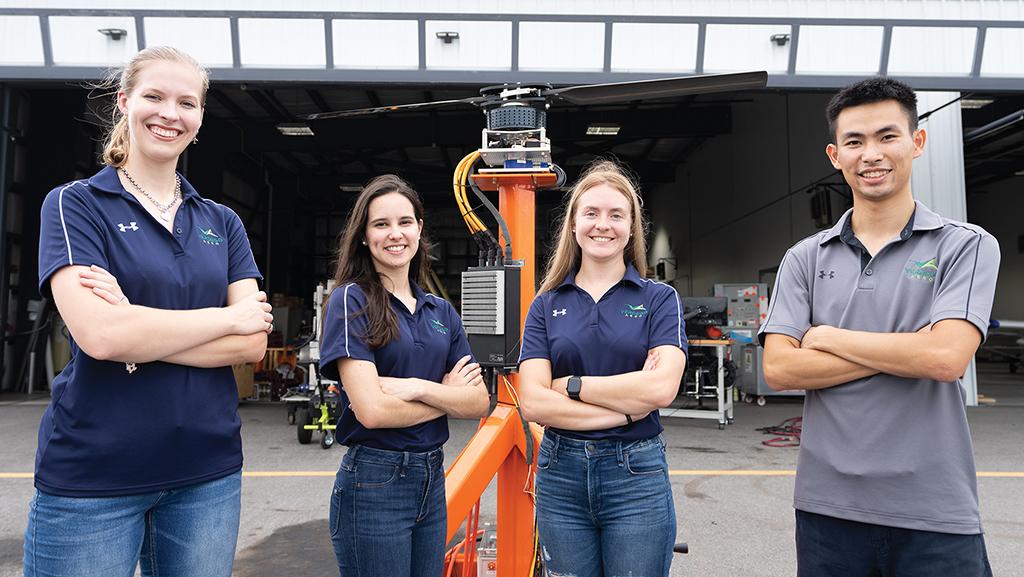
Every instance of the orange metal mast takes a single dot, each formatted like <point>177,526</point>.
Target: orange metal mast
<point>500,444</point>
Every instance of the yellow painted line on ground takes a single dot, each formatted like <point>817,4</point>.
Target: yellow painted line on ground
<point>790,473</point>
<point>730,473</point>
<point>673,472</point>
<point>1003,474</point>
<point>288,473</point>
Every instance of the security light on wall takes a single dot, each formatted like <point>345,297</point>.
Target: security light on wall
<point>447,37</point>
<point>294,129</point>
<point>779,39</point>
<point>113,33</point>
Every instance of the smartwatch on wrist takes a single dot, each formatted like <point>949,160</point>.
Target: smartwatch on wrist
<point>572,388</point>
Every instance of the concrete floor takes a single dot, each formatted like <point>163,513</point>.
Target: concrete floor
<point>736,526</point>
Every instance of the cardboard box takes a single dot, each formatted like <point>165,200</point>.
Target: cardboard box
<point>287,321</point>
<point>244,379</point>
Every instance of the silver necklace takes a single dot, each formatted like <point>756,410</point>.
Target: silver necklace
<point>163,210</point>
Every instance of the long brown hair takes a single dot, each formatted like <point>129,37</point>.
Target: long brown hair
<point>567,251</point>
<point>355,264</point>
<point>116,144</point>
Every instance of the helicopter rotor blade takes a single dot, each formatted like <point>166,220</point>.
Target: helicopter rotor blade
<point>400,107</point>
<point>659,88</point>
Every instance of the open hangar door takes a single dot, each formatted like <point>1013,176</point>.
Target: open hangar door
<point>729,180</point>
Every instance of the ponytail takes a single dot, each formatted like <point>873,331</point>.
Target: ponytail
<point>115,149</point>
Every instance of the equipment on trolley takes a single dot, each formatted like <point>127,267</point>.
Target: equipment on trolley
<point>705,317</point>
<point>313,405</point>
<point>748,308</point>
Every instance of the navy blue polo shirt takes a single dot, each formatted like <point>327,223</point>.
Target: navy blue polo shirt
<point>430,342</point>
<point>108,432</point>
<point>609,337</point>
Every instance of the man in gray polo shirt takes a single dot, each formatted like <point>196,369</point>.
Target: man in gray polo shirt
<point>877,319</point>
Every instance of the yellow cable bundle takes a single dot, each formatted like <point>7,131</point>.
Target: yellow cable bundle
<point>459,180</point>
<point>464,210</point>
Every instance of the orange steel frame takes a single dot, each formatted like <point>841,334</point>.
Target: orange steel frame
<point>499,447</point>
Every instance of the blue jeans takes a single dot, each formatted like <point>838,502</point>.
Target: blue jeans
<point>604,507</point>
<point>186,532</point>
<point>831,547</point>
<point>388,515</point>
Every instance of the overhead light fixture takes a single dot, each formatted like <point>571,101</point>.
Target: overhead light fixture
<point>113,33</point>
<point>350,188</point>
<point>975,103</point>
<point>1019,173</point>
<point>448,37</point>
<point>603,129</point>
<point>779,39</point>
<point>294,129</point>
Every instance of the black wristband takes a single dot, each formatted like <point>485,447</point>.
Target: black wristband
<point>573,387</point>
<point>629,420</point>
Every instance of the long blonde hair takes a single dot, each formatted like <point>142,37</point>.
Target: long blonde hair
<point>567,251</point>
<point>116,144</point>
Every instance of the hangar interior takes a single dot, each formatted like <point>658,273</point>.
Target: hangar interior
<point>729,180</point>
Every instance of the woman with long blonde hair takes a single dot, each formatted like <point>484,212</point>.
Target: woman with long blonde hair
<point>603,350</point>
<point>140,455</point>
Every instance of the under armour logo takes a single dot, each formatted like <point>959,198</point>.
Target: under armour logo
<point>131,226</point>
<point>558,312</point>
<point>829,274</point>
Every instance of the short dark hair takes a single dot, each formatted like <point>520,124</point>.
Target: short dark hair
<point>869,91</point>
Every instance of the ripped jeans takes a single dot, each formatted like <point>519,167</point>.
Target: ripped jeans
<point>604,508</point>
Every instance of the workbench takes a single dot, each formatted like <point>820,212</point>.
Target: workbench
<point>723,411</point>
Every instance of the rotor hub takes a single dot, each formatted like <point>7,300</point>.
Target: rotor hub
<point>515,106</point>
<point>516,118</point>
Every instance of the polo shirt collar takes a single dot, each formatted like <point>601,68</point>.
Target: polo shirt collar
<point>631,275</point>
<point>921,219</point>
<point>422,299</point>
<point>107,181</point>
<point>925,219</point>
<point>421,295</point>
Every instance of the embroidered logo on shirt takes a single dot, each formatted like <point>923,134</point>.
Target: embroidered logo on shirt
<point>558,312</point>
<point>634,311</point>
<point>210,237</point>
<point>826,273</point>
<point>438,327</point>
<point>132,226</point>
<point>922,270</point>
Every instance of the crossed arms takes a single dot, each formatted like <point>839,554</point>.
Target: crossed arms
<point>829,356</point>
<point>392,402</point>
<point>107,327</point>
<point>604,401</point>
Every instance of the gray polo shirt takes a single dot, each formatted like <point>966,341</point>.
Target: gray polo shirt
<point>888,450</point>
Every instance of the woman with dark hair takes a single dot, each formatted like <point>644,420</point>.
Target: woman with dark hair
<point>140,456</point>
<point>603,350</point>
<point>404,365</point>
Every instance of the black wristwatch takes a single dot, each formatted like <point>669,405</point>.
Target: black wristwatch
<point>572,388</point>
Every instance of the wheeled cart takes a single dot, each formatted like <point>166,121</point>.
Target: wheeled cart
<point>721,390</point>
